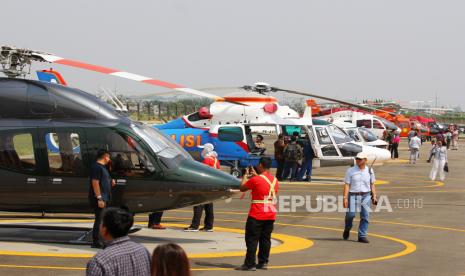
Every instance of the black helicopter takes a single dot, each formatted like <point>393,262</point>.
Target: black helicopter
<point>152,172</point>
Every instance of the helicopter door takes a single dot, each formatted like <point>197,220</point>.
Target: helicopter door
<point>267,133</point>
<point>130,167</point>
<point>378,128</point>
<point>21,187</point>
<point>67,180</point>
<point>315,144</point>
<point>327,149</point>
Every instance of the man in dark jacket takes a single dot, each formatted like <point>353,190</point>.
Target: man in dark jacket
<point>99,191</point>
<point>279,146</point>
<point>307,162</point>
<point>292,159</point>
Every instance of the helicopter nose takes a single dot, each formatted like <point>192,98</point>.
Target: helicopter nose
<point>201,183</point>
<point>378,155</point>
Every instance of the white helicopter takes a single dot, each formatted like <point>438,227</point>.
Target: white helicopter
<point>374,123</point>
<point>361,134</point>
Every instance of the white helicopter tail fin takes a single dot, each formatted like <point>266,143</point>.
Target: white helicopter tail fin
<point>308,108</point>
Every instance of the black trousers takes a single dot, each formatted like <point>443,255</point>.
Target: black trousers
<point>155,218</point>
<point>209,217</point>
<point>394,150</point>
<point>279,169</point>
<point>97,221</point>
<point>258,232</point>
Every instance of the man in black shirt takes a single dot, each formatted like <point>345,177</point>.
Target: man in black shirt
<point>99,191</point>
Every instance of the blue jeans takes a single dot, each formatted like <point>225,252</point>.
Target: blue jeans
<point>290,167</point>
<point>362,204</point>
<point>306,168</point>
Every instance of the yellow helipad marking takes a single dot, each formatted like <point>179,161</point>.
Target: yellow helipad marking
<point>42,267</point>
<point>398,161</point>
<point>381,182</point>
<point>437,184</point>
<point>288,244</point>
<point>408,249</point>
<point>338,218</point>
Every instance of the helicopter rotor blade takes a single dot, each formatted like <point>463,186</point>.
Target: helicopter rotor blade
<point>127,75</point>
<point>332,100</point>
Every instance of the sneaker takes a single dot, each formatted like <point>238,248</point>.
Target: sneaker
<point>346,234</point>
<point>157,227</point>
<point>191,229</point>
<point>246,268</point>
<point>363,240</point>
<point>263,266</point>
<point>207,229</point>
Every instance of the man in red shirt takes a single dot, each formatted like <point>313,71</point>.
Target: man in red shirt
<point>262,214</point>
<point>210,158</point>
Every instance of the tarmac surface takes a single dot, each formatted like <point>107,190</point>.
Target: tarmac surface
<point>423,234</point>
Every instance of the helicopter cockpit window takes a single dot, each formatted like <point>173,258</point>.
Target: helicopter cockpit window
<point>323,136</point>
<point>194,117</point>
<point>364,123</point>
<point>338,135</point>
<point>127,157</point>
<point>403,125</point>
<point>230,134</point>
<point>169,152</point>
<point>368,136</point>
<point>291,130</point>
<point>389,125</point>
<point>354,135</point>
<point>17,151</point>
<point>260,139</point>
<point>327,146</point>
<point>377,124</point>
<point>64,153</point>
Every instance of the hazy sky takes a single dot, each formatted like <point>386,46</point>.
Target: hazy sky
<point>406,50</point>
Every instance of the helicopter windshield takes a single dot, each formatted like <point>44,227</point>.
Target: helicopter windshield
<point>169,152</point>
<point>388,124</point>
<point>339,136</point>
<point>367,135</point>
<point>354,134</point>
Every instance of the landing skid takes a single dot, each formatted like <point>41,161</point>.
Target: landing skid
<point>84,239</point>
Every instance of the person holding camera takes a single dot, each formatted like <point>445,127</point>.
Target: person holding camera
<point>359,193</point>
<point>262,214</point>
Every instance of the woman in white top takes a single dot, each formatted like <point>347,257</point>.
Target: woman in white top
<point>455,138</point>
<point>439,153</point>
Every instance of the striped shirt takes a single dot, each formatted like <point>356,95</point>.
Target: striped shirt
<point>120,257</point>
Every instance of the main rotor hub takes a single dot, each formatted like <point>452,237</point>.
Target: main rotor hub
<point>260,87</point>
<point>16,62</point>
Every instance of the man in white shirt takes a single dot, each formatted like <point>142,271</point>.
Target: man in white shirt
<point>359,192</point>
<point>414,145</point>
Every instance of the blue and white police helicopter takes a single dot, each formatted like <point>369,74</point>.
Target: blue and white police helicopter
<point>232,129</point>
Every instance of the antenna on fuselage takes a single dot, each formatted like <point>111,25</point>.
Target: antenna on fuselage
<point>119,106</point>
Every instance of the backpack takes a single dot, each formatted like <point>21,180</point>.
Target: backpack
<point>292,153</point>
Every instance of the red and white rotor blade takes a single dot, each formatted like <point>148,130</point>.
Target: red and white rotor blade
<point>123,74</point>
